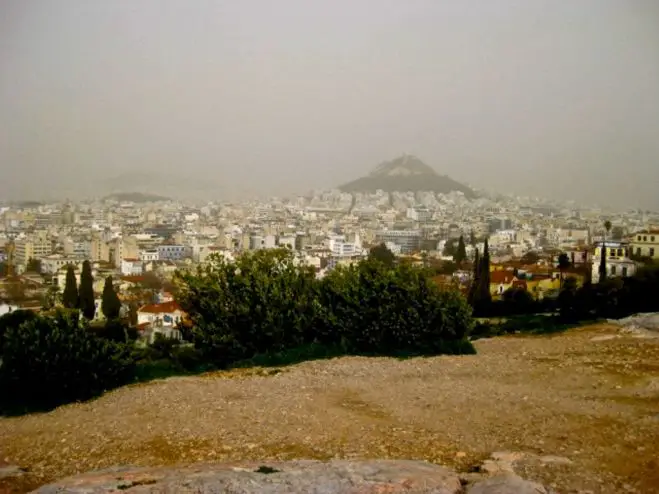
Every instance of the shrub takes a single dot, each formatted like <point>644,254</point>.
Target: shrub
<point>14,319</point>
<point>263,302</point>
<point>47,361</point>
<point>373,308</point>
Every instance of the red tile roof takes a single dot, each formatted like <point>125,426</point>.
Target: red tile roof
<point>164,308</point>
<point>504,277</point>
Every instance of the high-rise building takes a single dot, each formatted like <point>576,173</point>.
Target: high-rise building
<point>408,240</point>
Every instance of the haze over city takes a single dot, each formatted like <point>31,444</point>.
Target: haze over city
<point>220,98</point>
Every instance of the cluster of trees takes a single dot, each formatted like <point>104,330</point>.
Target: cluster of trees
<point>611,298</point>
<point>47,360</point>
<point>82,297</point>
<point>261,304</point>
<point>265,302</point>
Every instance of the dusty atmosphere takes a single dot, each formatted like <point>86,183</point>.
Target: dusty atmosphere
<point>590,396</point>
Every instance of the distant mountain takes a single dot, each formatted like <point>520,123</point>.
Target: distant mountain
<point>406,173</point>
<point>138,197</point>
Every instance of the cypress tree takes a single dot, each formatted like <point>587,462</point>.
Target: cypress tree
<point>86,292</point>
<point>70,295</point>
<point>475,281</point>
<point>111,305</point>
<point>602,269</point>
<point>461,252</point>
<point>484,297</point>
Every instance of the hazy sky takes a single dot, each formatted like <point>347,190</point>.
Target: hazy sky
<point>553,97</point>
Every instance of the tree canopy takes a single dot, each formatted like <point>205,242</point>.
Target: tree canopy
<point>70,294</point>
<point>382,254</point>
<point>110,303</point>
<point>87,303</point>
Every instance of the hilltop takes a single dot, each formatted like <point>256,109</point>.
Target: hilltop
<point>582,402</point>
<point>406,173</point>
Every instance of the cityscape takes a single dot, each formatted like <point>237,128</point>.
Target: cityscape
<point>141,240</point>
<point>341,247</point>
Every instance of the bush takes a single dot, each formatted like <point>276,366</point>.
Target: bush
<point>263,302</point>
<point>14,319</point>
<point>372,308</point>
<point>266,305</point>
<point>47,361</point>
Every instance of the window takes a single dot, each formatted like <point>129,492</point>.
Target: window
<point>613,270</point>
<point>638,251</point>
<point>624,271</point>
<point>620,253</point>
<point>638,238</point>
<point>651,251</point>
<point>645,238</point>
<point>652,238</point>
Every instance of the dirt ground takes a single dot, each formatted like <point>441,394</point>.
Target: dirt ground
<point>590,395</point>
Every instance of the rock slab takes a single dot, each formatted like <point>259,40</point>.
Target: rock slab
<point>313,477</point>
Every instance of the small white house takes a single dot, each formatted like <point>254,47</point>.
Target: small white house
<point>161,319</point>
<point>131,267</point>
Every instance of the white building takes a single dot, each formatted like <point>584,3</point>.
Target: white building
<point>53,263</point>
<point>147,255</point>
<point>163,318</point>
<point>131,267</point>
<point>618,263</point>
<point>338,245</point>
<point>419,214</point>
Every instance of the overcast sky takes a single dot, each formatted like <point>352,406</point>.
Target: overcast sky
<point>552,97</point>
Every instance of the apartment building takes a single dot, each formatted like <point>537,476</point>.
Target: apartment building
<point>408,240</point>
<point>99,250</point>
<point>618,263</point>
<point>32,247</point>
<point>646,244</point>
<point>123,248</point>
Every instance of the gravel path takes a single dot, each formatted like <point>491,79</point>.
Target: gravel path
<point>595,402</point>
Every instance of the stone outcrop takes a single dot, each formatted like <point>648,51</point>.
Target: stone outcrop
<point>334,477</point>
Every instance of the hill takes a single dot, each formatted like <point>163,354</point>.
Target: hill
<point>587,394</point>
<point>135,197</point>
<point>406,173</point>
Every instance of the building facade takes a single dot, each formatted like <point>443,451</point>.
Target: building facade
<point>646,244</point>
<point>409,241</point>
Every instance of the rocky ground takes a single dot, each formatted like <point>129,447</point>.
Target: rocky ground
<point>579,409</point>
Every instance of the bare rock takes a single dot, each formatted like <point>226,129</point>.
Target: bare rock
<point>336,477</point>
<point>501,462</point>
<point>7,471</point>
<point>506,484</point>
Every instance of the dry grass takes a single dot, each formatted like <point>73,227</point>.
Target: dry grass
<point>594,402</point>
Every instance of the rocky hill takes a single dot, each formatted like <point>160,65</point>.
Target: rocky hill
<point>575,412</point>
<point>406,173</point>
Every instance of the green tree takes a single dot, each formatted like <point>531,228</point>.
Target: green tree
<point>48,360</point>
<point>110,303</point>
<point>461,252</point>
<point>383,254</point>
<point>263,302</point>
<point>13,319</point>
<point>33,266</point>
<point>86,299</point>
<point>367,308</point>
<point>563,264</point>
<point>70,294</point>
<point>484,297</point>
<point>530,258</point>
<point>474,286</point>
<point>602,266</point>
<point>51,298</point>
<point>472,239</point>
<point>450,248</point>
